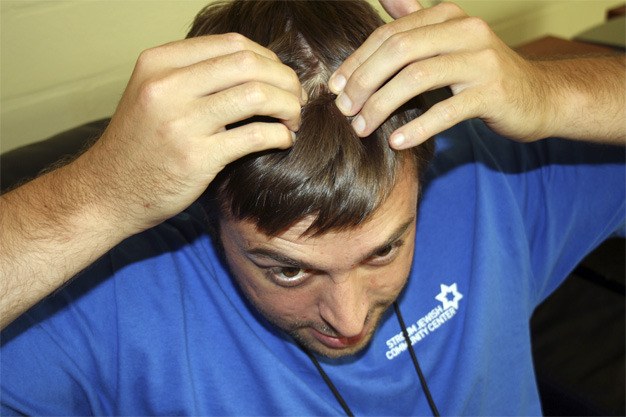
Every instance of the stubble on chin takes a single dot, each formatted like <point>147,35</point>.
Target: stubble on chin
<point>300,333</point>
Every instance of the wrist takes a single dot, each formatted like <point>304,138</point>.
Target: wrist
<point>583,98</point>
<point>96,199</point>
<point>64,205</point>
<point>50,231</point>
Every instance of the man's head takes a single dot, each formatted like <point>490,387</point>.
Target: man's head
<point>320,236</point>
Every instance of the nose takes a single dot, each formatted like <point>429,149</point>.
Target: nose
<point>344,305</point>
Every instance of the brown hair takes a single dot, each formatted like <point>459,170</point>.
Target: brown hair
<point>329,173</point>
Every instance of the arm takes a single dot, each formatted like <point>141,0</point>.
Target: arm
<point>166,142</point>
<point>441,46</point>
<point>588,97</point>
<point>51,228</point>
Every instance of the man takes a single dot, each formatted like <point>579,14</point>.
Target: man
<point>134,335</point>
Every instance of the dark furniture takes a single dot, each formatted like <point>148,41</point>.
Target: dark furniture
<point>26,162</point>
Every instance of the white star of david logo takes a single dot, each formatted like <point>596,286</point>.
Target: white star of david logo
<point>443,296</point>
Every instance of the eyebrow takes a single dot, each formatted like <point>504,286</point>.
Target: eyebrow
<point>286,260</point>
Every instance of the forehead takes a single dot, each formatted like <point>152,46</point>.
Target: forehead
<point>397,210</point>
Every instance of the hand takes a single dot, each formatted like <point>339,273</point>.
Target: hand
<point>168,139</point>
<point>165,143</point>
<point>425,49</point>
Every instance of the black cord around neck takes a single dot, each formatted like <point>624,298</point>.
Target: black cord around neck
<point>416,364</point>
<point>420,375</point>
<point>329,382</point>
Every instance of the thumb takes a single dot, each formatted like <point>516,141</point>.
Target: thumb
<point>400,8</point>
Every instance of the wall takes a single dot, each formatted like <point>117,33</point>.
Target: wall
<point>67,62</point>
<point>63,63</point>
<point>517,22</point>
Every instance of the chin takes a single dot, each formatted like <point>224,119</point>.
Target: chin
<point>306,337</point>
<point>315,346</point>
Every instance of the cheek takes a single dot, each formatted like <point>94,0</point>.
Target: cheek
<point>280,305</point>
<point>391,279</point>
<point>253,283</point>
<point>389,282</point>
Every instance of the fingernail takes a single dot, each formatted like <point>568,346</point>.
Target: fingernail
<point>336,83</point>
<point>358,124</point>
<point>344,103</point>
<point>304,96</point>
<point>397,141</point>
<point>293,137</point>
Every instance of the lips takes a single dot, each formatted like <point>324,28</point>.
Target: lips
<point>338,342</point>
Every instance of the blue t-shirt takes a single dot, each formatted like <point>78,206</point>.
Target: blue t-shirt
<point>158,327</point>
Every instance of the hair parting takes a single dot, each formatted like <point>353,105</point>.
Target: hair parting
<point>329,173</point>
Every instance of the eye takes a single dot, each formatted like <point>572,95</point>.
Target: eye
<point>287,275</point>
<point>386,254</point>
<point>384,251</point>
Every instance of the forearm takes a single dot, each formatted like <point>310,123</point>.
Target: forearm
<point>521,99</point>
<point>165,143</point>
<point>50,229</point>
<point>587,98</point>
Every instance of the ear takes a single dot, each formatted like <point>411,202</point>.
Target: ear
<point>400,8</point>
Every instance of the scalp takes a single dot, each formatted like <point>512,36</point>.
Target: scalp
<point>330,173</point>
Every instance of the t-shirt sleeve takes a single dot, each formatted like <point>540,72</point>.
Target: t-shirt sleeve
<point>55,358</point>
<point>570,195</point>
<point>63,356</point>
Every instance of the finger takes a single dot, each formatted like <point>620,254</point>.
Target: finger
<point>438,118</point>
<point>414,79</point>
<point>393,55</point>
<point>226,71</point>
<point>400,8</point>
<point>185,52</point>
<point>244,101</point>
<point>230,145</point>
<point>421,18</point>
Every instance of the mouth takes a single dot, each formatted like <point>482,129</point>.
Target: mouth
<point>340,342</point>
